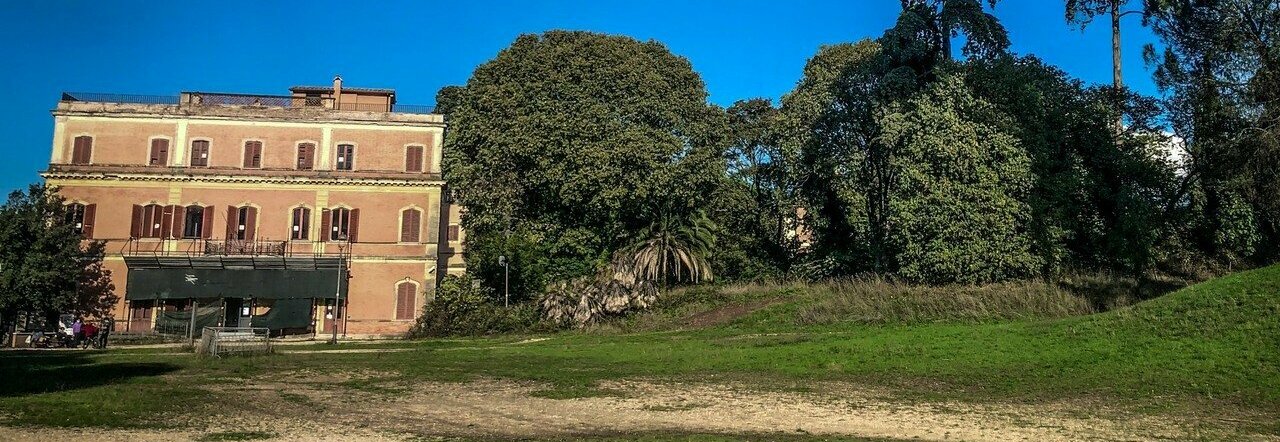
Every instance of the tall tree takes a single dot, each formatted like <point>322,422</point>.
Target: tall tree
<point>751,207</point>
<point>939,21</point>
<point>957,205</point>
<point>1220,67</point>
<point>569,142</point>
<point>1082,12</point>
<point>46,267</point>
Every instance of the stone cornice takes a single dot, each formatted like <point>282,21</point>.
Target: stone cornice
<point>317,179</point>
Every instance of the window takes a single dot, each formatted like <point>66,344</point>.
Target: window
<point>159,152</point>
<point>454,232</point>
<point>410,225</point>
<point>242,222</point>
<point>252,154</point>
<point>346,156</point>
<point>339,224</point>
<point>82,150</point>
<point>193,222</point>
<point>306,156</point>
<point>413,159</point>
<point>80,218</point>
<point>406,299</point>
<point>301,224</point>
<point>200,153</point>
<point>148,221</point>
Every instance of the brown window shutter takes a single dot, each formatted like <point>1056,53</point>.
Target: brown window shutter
<point>90,211</point>
<point>404,301</point>
<point>159,152</point>
<point>233,219</point>
<point>157,222</point>
<point>353,231</point>
<point>405,219</point>
<point>453,232</point>
<point>413,159</point>
<point>168,223</point>
<point>306,156</point>
<point>252,154</point>
<point>208,223</point>
<point>415,227</point>
<point>179,221</point>
<point>135,223</point>
<point>324,225</point>
<point>250,222</point>
<point>82,150</point>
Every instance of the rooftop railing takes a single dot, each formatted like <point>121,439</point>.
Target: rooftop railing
<point>245,100</point>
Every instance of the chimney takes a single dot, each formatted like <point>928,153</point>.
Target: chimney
<point>337,91</point>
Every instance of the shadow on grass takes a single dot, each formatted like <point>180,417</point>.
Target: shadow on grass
<point>34,372</point>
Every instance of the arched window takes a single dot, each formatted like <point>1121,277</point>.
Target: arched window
<point>410,225</point>
<point>406,299</point>
<point>82,150</point>
<point>242,222</point>
<point>300,225</point>
<point>193,224</point>
<point>148,221</point>
<point>340,224</point>
<point>80,218</point>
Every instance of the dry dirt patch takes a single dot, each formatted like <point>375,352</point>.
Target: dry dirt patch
<point>298,408</point>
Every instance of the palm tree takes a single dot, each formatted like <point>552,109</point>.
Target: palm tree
<point>672,247</point>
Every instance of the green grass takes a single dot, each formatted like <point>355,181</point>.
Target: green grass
<point>1213,346</point>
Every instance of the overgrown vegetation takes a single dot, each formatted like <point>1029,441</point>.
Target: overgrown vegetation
<point>889,157</point>
<point>460,308</point>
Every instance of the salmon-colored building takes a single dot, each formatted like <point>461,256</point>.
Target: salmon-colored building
<point>261,210</point>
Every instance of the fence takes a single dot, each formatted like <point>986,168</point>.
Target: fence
<point>220,341</point>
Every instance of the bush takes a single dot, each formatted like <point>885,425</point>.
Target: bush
<point>461,308</point>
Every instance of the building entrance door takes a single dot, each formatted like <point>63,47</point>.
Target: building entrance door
<point>232,312</point>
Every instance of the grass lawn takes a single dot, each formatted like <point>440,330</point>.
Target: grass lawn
<point>1210,347</point>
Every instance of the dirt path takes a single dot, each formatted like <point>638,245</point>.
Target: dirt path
<point>303,407</point>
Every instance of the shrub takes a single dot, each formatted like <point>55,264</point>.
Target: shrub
<point>461,308</point>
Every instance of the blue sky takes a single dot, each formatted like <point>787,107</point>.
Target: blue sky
<point>742,49</point>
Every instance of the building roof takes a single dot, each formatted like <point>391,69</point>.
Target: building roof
<point>329,89</point>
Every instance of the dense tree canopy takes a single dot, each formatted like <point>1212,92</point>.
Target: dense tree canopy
<point>572,147</point>
<point>568,142</point>
<point>46,267</point>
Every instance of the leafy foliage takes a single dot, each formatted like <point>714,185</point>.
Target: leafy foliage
<point>459,308</point>
<point>957,210</point>
<point>672,248</point>
<point>569,142</point>
<point>45,266</point>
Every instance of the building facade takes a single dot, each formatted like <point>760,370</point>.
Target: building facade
<point>261,210</point>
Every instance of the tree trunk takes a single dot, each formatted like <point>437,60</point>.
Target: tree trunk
<point>1117,79</point>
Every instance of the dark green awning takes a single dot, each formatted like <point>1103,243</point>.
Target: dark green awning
<point>180,283</point>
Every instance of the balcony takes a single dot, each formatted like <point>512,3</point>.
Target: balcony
<point>232,254</point>
<point>245,101</point>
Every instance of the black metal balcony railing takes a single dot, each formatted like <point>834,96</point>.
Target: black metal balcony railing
<point>197,247</point>
<point>254,100</point>
<point>120,98</point>
<point>245,247</point>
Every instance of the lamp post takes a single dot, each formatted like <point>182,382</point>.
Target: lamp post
<point>337,290</point>
<point>506,278</point>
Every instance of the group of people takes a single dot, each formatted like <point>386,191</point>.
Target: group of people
<point>77,334</point>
